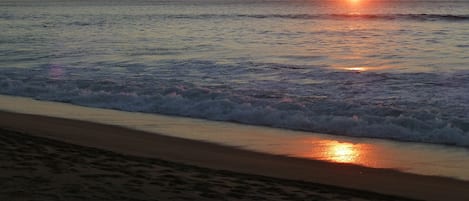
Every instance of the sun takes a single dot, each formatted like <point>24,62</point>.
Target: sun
<point>354,1</point>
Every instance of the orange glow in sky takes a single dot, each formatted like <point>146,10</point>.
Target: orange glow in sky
<point>354,1</point>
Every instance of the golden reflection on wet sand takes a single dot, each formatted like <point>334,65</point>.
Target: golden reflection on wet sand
<point>341,152</point>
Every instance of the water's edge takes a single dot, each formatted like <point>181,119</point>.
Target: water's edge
<point>414,158</point>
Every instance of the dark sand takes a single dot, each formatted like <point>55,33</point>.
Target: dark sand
<point>35,168</point>
<point>45,158</point>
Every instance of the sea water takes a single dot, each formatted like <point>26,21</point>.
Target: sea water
<point>370,68</point>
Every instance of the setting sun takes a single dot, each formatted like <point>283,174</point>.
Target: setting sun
<point>354,1</point>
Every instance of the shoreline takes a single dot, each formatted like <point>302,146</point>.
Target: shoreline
<point>203,154</point>
<point>413,158</point>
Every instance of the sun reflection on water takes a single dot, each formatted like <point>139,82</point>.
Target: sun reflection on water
<point>358,69</point>
<point>342,152</point>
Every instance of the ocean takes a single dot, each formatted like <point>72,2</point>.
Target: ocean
<point>389,69</point>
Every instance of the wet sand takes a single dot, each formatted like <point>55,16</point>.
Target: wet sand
<point>58,159</point>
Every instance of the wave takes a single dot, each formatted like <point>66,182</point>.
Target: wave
<point>418,107</point>
<point>352,16</point>
<point>417,17</point>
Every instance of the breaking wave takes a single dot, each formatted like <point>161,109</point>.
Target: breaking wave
<point>418,107</point>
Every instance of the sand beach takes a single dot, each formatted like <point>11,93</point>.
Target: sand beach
<point>75,160</point>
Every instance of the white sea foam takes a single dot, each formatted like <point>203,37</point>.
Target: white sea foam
<point>419,107</point>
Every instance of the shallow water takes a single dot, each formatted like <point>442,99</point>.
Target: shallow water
<point>417,158</point>
<point>383,69</point>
